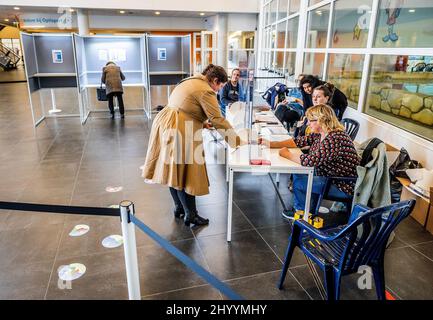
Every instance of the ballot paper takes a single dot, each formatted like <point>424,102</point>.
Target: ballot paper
<point>265,118</point>
<point>422,180</point>
<point>273,131</point>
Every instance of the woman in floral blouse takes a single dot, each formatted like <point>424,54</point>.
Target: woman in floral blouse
<point>331,153</point>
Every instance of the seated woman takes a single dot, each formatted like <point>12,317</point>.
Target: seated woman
<point>332,154</point>
<point>337,101</point>
<point>320,95</point>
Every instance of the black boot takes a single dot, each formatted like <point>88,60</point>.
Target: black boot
<point>179,212</point>
<point>194,218</point>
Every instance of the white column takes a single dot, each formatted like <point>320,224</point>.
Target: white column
<point>83,22</point>
<point>222,38</point>
<point>302,37</point>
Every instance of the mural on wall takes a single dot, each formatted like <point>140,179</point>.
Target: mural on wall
<point>356,32</point>
<point>393,9</point>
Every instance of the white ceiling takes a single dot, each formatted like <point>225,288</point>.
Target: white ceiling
<point>8,12</point>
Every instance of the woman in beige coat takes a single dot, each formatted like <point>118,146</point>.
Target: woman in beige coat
<point>112,76</point>
<point>175,154</point>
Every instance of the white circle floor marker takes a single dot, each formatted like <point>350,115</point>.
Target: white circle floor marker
<point>72,271</point>
<point>79,230</point>
<point>112,241</point>
<point>113,189</point>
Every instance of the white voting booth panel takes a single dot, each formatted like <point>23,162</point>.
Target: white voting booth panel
<point>51,74</point>
<point>169,63</point>
<point>129,53</point>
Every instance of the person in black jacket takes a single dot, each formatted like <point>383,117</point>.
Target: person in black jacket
<point>338,100</point>
<point>232,91</point>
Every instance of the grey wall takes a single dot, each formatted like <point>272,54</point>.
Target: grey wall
<point>29,54</point>
<point>174,54</point>
<point>131,46</point>
<point>44,46</point>
<point>186,53</point>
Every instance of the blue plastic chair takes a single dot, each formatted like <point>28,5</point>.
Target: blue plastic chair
<point>342,250</point>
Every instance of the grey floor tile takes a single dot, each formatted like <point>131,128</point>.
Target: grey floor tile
<point>204,292</point>
<point>23,281</point>
<point>411,232</point>
<point>264,287</point>
<point>278,239</point>
<point>217,215</point>
<point>30,245</point>
<point>161,272</point>
<point>263,211</point>
<point>408,274</point>
<point>105,278</point>
<point>426,249</point>
<point>245,255</point>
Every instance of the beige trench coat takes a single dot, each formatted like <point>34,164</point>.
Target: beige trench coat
<point>175,154</point>
<point>112,76</point>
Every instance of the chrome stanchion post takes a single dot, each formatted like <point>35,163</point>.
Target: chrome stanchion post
<point>130,249</point>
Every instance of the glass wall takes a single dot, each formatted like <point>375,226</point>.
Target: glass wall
<point>405,24</point>
<point>314,64</point>
<point>384,67</point>
<point>345,72</point>
<point>289,65</point>
<point>400,91</point>
<point>294,6</point>
<point>240,49</point>
<point>350,23</point>
<point>317,30</point>
<point>292,32</point>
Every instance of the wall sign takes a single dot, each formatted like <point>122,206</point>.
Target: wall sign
<point>57,56</point>
<point>162,54</point>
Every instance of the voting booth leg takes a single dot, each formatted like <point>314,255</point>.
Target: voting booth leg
<point>230,207</point>
<point>130,250</point>
<point>53,103</point>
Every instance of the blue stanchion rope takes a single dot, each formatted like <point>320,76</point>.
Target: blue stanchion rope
<point>210,278</point>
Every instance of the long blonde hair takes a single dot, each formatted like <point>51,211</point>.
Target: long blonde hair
<point>325,117</point>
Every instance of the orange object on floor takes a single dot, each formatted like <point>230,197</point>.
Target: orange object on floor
<point>388,296</point>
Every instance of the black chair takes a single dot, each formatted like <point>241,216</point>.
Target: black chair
<point>351,126</point>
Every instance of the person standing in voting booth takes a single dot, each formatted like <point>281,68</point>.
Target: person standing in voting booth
<point>175,155</point>
<point>112,76</point>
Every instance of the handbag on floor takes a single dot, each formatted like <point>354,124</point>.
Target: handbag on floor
<point>101,94</point>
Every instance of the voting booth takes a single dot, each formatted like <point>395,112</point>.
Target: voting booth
<point>129,53</point>
<point>169,63</point>
<point>51,75</point>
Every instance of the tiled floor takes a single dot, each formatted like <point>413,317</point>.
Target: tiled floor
<point>63,162</point>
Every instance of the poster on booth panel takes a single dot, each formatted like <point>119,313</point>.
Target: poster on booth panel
<point>57,56</point>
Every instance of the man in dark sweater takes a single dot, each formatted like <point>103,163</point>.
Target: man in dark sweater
<point>231,92</point>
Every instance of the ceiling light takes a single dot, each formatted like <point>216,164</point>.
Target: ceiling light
<point>157,13</point>
<point>412,10</point>
<point>7,20</point>
<point>319,12</point>
<point>16,8</point>
<point>121,11</point>
<point>71,10</point>
<point>202,13</point>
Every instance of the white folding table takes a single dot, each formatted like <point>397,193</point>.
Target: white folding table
<point>238,160</point>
